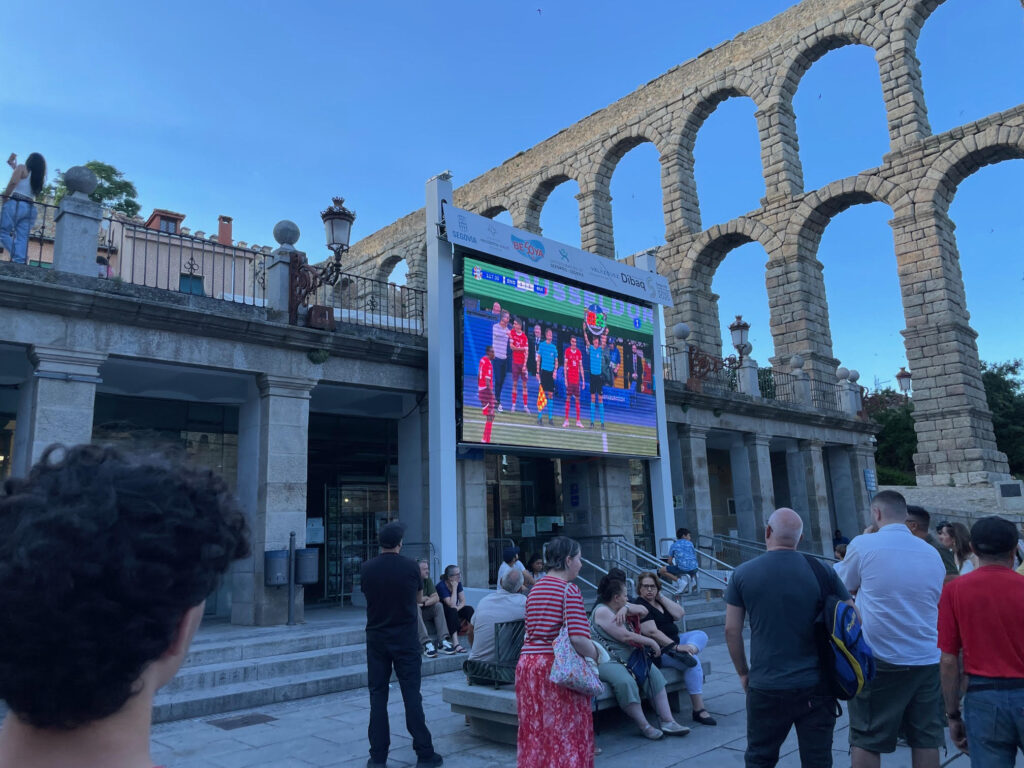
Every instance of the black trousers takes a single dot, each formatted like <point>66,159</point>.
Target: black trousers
<point>770,715</point>
<point>384,652</point>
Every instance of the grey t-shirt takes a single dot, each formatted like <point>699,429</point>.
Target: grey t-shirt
<point>780,594</point>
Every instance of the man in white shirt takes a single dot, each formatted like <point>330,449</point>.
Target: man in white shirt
<point>898,580</point>
<point>504,604</point>
<point>499,340</point>
<point>511,562</point>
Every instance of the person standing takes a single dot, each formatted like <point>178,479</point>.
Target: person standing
<point>520,345</point>
<point>783,682</point>
<point>595,359</point>
<point>982,614</point>
<point>919,521</point>
<point>573,374</point>
<point>547,363</point>
<point>500,333</point>
<point>898,578</point>
<point>19,212</point>
<point>555,725</point>
<point>393,588</point>
<point>485,391</point>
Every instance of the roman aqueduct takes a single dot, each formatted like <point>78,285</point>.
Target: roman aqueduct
<point>917,179</point>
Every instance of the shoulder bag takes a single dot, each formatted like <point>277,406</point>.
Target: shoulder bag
<point>568,668</point>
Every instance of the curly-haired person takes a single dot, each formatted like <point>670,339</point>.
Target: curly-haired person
<point>105,562</point>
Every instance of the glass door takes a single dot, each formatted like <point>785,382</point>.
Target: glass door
<point>353,514</point>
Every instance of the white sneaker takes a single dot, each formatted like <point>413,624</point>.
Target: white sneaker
<point>513,407</point>
<point>674,729</point>
<point>429,651</point>
<point>447,647</point>
<point>526,408</point>
<point>565,423</point>
<point>500,409</point>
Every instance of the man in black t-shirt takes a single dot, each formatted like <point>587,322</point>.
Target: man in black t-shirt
<point>394,588</point>
<point>780,593</point>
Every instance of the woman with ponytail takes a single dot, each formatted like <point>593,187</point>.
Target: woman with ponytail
<point>19,212</point>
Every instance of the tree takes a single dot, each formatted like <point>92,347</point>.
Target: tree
<point>897,441</point>
<point>114,190</point>
<point>1004,390</point>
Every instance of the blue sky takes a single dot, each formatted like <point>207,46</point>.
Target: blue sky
<point>263,111</point>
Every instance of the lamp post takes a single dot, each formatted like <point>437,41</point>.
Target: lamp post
<point>904,379</point>
<point>306,278</point>
<point>740,330</point>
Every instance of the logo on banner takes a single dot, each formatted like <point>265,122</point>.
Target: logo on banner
<point>462,233</point>
<point>595,319</point>
<point>565,254</point>
<point>532,249</point>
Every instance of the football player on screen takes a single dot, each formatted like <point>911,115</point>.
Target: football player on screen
<point>573,372</point>
<point>485,390</point>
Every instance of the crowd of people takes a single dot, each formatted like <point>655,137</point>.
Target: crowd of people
<point>941,616</point>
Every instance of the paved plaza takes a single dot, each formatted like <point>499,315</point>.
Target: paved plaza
<point>331,731</point>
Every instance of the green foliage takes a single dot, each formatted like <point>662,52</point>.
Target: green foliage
<point>114,191</point>
<point>1004,390</point>
<point>897,441</point>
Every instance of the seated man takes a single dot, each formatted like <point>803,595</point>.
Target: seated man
<point>510,556</point>
<point>106,560</point>
<point>506,603</point>
<point>431,610</point>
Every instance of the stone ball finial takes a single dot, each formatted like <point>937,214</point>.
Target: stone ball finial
<point>78,178</point>
<point>842,373</point>
<point>854,375</point>
<point>796,362</point>
<point>745,348</point>
<point>681,331</point>
<point>286,233</point>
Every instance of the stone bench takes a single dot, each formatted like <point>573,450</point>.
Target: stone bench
<point>491,712</point>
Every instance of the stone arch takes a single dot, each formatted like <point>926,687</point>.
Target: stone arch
<point>813,45</point>
<point>697,304</point>
<point>597,232</point>
<point>681,202</point>
<point>387,265</point>
<point>956,163</point>
<point>550,178</point>
<point>808,222</point>
<point>492,209</point>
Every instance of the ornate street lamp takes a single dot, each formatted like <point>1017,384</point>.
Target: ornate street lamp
<point>338,226</point>
<point>904,379</point>
<point>740,331</point>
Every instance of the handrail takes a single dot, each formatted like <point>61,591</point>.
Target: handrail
<point>747,544</point>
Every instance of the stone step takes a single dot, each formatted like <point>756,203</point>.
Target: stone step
<point>229,697</point>
<point>215,650</point>
<point>705,619</point>
<point>209,676</point>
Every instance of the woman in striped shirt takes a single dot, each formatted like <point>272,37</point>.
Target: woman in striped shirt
<point>555,724</point>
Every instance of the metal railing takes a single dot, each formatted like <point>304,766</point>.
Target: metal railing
<point>173,261</point>
<point>27,228</point>
<point>365,301</point>
<point>825,395</point>
<point>424,550</point>
<point>736,551</point>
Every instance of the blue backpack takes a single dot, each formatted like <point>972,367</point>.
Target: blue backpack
<point>846,659</point>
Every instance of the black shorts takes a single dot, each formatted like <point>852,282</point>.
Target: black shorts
<point>596,381</point>
<point>547,380</point>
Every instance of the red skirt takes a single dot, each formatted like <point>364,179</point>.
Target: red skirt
<point>555,724</point>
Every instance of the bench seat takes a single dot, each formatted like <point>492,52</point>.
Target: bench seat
<point>492,713</point>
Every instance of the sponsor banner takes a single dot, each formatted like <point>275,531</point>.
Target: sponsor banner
<point>470,230</point>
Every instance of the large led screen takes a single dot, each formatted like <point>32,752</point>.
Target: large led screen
<point>554,366</point>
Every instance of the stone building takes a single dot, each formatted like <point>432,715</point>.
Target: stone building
<point>323,430</point>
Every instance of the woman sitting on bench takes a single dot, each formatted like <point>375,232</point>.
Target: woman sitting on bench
<point>615,625</point>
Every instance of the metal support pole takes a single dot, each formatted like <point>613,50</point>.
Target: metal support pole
<point>291,579</point>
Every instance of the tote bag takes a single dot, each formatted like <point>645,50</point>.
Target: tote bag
<point>569,669</point>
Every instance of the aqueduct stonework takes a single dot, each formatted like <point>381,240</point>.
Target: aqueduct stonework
<point>917,179</point>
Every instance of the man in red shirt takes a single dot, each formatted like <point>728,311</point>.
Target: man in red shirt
<point>519,344</point>
<point>485,390</point>
<point>982,614</point>
<point>573,372</point>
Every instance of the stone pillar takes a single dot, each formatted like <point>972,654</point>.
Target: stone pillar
<point>273,439</point>
<point>796,474</point>
<point>699,309</point>
<point>744,481</point>
<point>411,509</point>
<point>817,496</point>
<point>780,155</point>
<point>762,487</point>
<point>278,291</point>
<point>696,486</point>
<point>675,461</point>
<point>844,489</point>
<point>955,441</point>
<point>55,404</point>
<point>746,378</point>
<point>76,235</point>
<point>596,233</point>
<point>905,109</point>
<point>799,314</point>
<point>862,457</point>
<point>472,522</point>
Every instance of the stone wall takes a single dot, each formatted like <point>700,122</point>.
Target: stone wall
<point>917,179</point>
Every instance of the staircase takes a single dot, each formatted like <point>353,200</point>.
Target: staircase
<point>702,613</point>
<point>232,670</point>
